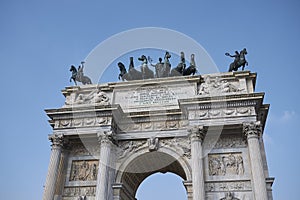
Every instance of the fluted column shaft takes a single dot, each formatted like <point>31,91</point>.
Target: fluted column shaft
<point>106,142</point>
<point>57,143</point>
<point>197,135</point>
<point>253,131</point>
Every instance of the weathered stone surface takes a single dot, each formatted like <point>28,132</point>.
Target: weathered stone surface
<point>205,129</point>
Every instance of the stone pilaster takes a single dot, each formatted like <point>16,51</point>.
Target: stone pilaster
<point>197,135</point>
<point>253,131</point>
<point>106,140</point>
<point>53,170</point>
<point>62,170</point>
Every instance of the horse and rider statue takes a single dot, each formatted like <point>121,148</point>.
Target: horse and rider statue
<point>162,69</point>
<point>239,60</point>
<point>78,76</point>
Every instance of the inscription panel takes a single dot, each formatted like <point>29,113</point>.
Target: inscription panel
<point>153,95</point>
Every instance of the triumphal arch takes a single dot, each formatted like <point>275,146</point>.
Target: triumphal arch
<point>207,129</point>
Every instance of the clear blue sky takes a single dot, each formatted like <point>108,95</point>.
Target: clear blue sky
<point>41,39</point>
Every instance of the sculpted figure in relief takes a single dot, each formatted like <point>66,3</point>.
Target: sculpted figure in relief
<point>204,87</point>
<point>227,164</point>
<point>229,196</point>
<point>153,144</point>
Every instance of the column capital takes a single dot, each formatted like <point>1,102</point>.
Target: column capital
<point>197,133</point>
<point>107,137</point>
<point>57,140</point>
<point>252,129</point>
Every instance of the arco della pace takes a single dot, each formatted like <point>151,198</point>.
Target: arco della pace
<point>207,129</point>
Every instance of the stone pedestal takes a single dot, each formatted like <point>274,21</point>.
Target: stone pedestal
<point>253,131</point>
<point>106,143</point>
<point>197,135</point>
<point>53,170</point>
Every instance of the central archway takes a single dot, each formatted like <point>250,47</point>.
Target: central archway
<point>142,165</point>
<point>160,186</point>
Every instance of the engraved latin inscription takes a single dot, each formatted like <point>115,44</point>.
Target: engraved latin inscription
<point>155,95</point>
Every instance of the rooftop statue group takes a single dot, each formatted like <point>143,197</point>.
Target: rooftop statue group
<point>162,69</point>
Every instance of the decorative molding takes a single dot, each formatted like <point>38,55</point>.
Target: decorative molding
<point>221,113</point>
<point>153,125</point>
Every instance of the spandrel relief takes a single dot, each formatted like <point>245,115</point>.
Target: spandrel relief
<point>84,170</point>
<point>225,164</point>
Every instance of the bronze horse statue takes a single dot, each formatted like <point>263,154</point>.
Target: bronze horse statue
<point>239,60</point>
<point>132,73</point>
<point>77,76</point>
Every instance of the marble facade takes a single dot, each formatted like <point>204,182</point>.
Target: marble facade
<point>208,129</point>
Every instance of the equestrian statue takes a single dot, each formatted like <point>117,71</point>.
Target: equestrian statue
<point>239,60</point>
<point>78,76</point>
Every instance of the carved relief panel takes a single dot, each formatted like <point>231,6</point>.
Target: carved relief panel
<point>225,164</point>
<point>84,170</point>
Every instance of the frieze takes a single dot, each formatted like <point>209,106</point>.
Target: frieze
<point>79,149</point>
<point>230,142</point>
<point>228,186</point>
<point>79,122</point>
<point>84,170</point>
<point>221,113</point>
<point>79,191</point>
<point>156,125</point>
<point>225,164</point>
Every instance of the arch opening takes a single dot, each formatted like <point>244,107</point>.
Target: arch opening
<point>145,165</point>
<point>160,186</point>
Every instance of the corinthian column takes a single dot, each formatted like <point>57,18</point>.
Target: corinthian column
<point>57,143</point>
<point>253,131</point>
<point>197,135</point>
<point>106,140</point>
